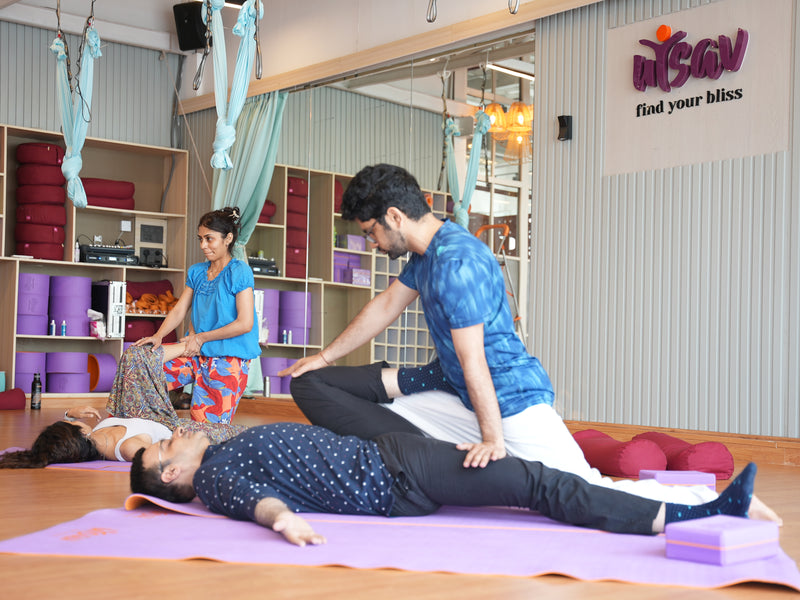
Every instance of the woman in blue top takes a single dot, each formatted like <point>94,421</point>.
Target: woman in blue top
<point>214,356</point>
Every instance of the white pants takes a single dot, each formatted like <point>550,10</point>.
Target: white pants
<point>538,434</point>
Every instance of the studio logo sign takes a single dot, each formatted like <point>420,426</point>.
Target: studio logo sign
<point>675,60</point>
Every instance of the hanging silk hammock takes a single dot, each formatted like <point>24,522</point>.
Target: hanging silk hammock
<point>228,110</point>
<point>75,107</point>
<point>461,203</point>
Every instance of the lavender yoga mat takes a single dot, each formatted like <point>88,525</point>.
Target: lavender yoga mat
<point>511,543</point>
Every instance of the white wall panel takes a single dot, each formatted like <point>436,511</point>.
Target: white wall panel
<point>133,87</point>
<point>665,298</point>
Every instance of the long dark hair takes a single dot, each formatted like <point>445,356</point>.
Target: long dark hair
<point>223,221</point>
<point>60,442</point>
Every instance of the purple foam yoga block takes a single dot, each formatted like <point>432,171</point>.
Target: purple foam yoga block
<point>69,285</point>
<point>76,325</point>
<point>68,383</point>
<point>103,369</point>
<point>680,477</point>
<point>29,303</point>
<point>32,324</point>
<point>34,283</point>
<point>721,540</point>
<point>67,362</point>
<point>30,362</point>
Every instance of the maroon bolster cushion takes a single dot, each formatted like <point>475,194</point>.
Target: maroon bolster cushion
<point>40,251</point>
<point>39,234</point>
<point>295,271</point>
<point>42,214</point>
<point>40,154</point>
<point>269,209</point>
<point>296,256</point>
<point>137,288</point>
<point>297,221</point>
<point>264,219</point>
<point>40,175</point>
<point>708,457</point>
<point>296,238</point>
<point>121,203</point>
<point>13,399</point>
<point>619,459</point>
<point>108,188</point>
<point>41,194</point>
<point>295,186</point>
<point>297,204</point>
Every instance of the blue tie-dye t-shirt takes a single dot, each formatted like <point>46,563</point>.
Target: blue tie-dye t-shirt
<point>460,285</point>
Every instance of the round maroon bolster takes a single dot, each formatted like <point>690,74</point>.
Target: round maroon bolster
<point>40,154</point>
<point>41,194</point>
<point>296,238</point>
<point>39,234</point>
<point>295,186</point>
<point>42,214</point>
<point>108,188</point>
<point>40,175</point>
<point>40,251</point>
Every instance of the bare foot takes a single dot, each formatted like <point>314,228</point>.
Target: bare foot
<point>759,510</point>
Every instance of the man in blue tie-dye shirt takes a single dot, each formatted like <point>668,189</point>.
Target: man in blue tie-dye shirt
<point>490,396</point>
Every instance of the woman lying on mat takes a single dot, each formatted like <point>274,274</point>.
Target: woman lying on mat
<point>140,414</point>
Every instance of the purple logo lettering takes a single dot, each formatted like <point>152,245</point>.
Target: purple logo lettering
<point>676,60</point>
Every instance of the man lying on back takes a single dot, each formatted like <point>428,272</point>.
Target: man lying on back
<point>269,473</point>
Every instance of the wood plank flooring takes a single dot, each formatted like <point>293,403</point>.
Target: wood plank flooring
<point>31,500</point>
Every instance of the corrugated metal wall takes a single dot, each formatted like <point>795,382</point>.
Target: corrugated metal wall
<point>133,89</point>
<point>666,298</point>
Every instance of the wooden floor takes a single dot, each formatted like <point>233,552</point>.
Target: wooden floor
<point>31,500</point>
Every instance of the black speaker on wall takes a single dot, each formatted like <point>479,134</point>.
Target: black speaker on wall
<point>189,25</point>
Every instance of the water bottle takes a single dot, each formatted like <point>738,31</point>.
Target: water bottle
<point>52,330</point>
<point>63,328</point>
<point>36,392</point>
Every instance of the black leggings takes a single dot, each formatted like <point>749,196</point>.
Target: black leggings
<point>345,400</point>
<point>429,473</point>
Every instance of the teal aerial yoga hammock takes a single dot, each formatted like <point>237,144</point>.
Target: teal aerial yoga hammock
<point>75,107</point>
<point>228,110</point>
<point>461,203</point>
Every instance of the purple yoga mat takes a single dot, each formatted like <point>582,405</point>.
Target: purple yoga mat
<point>68,285</point>
<point>32,324</point>
<point>68,383</point>
<point>67,362</point>
<point>511,542</point>
<point>34,283</point>
<point>112,466</point>
<point>32,303</point>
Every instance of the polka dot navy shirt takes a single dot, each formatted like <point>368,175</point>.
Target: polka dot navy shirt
<point>308,468</point>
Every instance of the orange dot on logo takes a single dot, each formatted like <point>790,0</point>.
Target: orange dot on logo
<point>664,33</point>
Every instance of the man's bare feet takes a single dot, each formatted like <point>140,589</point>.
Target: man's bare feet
<point>759,510</point>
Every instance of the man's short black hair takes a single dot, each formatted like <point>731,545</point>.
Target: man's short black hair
<point>148,481</point>
<point>377,188</point>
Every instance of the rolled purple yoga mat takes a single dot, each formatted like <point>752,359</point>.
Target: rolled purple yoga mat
<point>299,301</point>
<point>32,324</point>
<point>294,318</point>
<point>70,285</point>
<point>34,283</point>
<point>68,383</point>
<point>70,306</point>
<point>23,380</point>
<point>271,312</point>
<point>30,362</point>
<point>67,362</point>
<point>286,383</point>
<point>270,365</point>
<point>103,369</point>
<point>29,303</point>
